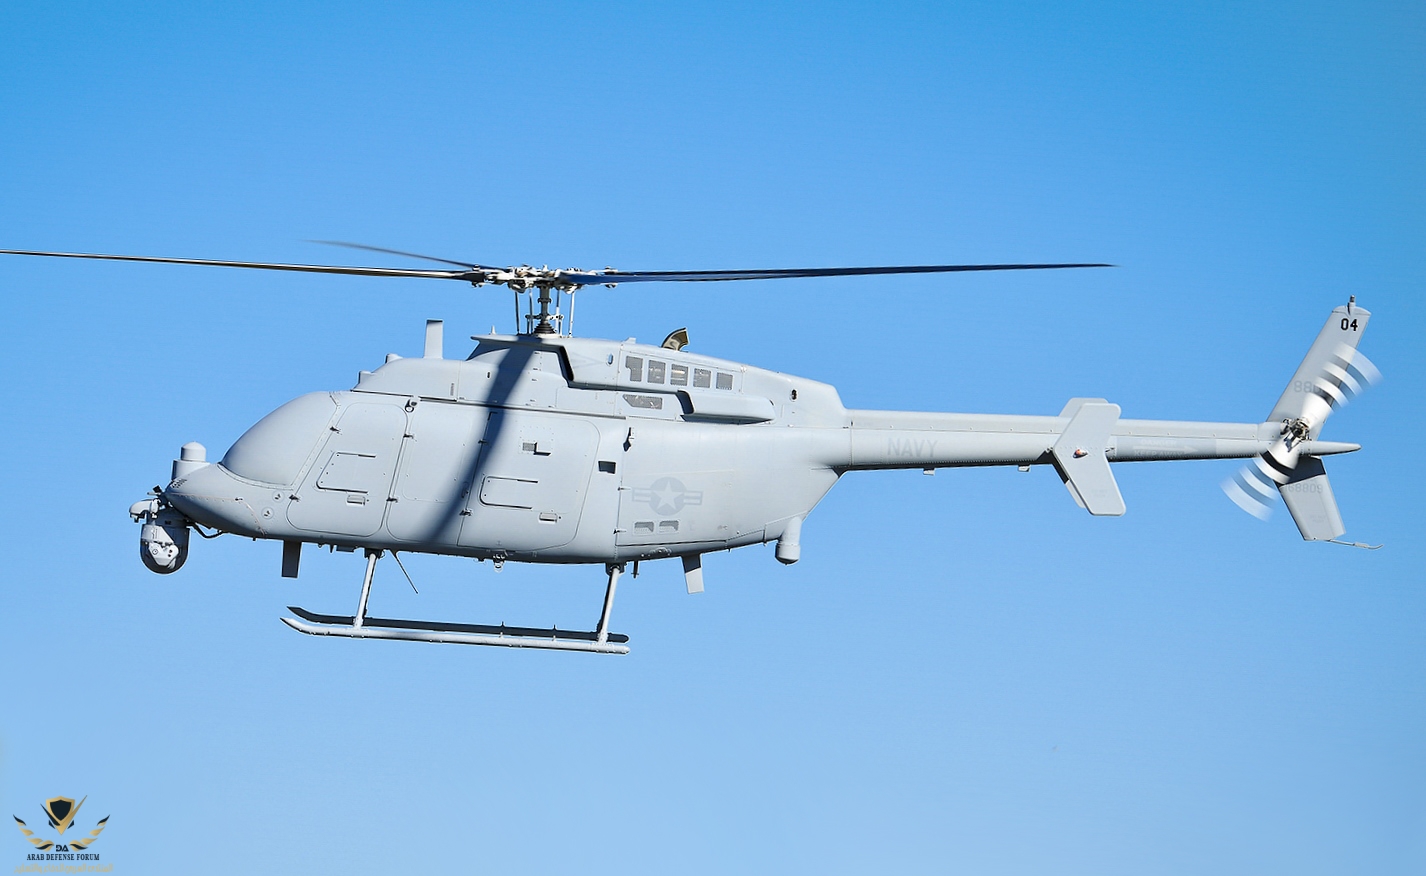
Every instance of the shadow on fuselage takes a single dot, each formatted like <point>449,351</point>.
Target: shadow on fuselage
<point>506,379</point>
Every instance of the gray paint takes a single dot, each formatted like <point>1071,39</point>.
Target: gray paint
<point>566,450</point>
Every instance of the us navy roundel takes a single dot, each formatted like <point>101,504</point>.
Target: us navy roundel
<point>668,496</point>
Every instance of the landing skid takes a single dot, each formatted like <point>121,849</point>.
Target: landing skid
<point>359,626</point>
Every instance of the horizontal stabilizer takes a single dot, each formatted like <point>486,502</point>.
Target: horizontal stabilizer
<point>1309,498</point>
<point>1073,405</point>
<point>1081,461</point>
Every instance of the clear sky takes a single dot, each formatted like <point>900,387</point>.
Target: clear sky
<point>964,673</point>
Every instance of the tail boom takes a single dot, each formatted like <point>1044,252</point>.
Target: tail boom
<point>887,440</point>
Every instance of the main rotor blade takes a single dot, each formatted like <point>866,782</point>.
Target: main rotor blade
<point>528,277</point>
<point>469,276</point>
<point>584,278</point>
<point>414,255</point>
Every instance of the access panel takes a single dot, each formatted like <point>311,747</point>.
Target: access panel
<point>345,492</point>
<point>530,481</point>
<point>438,457</point>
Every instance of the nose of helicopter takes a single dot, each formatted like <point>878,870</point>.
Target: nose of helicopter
<point>208,494</point>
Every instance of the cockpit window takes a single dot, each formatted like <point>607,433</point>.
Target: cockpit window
<point>273,450</point>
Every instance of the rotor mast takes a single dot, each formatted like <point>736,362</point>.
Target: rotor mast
<point>539,282</point>
<point>542,320</point>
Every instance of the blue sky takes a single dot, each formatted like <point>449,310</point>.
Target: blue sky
<point>965,673</point>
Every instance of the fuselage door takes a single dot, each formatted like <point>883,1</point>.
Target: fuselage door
<point>438,459</point>
<point>528,489</point>
<point>345,492</point>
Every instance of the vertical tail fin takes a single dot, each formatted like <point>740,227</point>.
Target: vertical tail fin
<point>1309,499</point>
<point>1331,374</point>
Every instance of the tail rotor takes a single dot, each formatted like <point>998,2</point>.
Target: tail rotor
<point>1333,373</point>
<point>1254,486</point>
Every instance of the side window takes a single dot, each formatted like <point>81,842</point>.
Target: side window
<point>655,371</point>
<point>702,377</point>
<point>636,368</point>
<point>725,381</point>
<point>678,375</point>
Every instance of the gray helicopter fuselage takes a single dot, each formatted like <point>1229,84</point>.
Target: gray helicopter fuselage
<point>547,449</point>
<point>572,450</point>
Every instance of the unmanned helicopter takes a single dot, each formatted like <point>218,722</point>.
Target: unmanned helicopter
<point>541,447</point>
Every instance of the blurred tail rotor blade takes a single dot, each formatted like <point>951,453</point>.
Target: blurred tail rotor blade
<point>1256,484</point>
<point>1249,493</point>
<point>1347,374</point>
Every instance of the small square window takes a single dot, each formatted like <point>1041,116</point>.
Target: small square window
<point>644,526</point>
<point>678,375</point>
<point>702,377</point>
<point>655,371</point>
<point>725,381</point>
<point>668,526</point>
<point>636,368</point>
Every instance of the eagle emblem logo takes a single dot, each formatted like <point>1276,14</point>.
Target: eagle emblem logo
<point>60,811</point>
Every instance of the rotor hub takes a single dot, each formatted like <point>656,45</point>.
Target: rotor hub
<point>1296,430</point>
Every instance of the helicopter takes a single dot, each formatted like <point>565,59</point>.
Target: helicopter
<point>543,447</point>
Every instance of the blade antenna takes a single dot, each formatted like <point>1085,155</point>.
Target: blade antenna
<point>397,557</point>
<point>1356,544</point>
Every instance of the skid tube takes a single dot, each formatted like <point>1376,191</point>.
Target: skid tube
<point>359,626</point>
